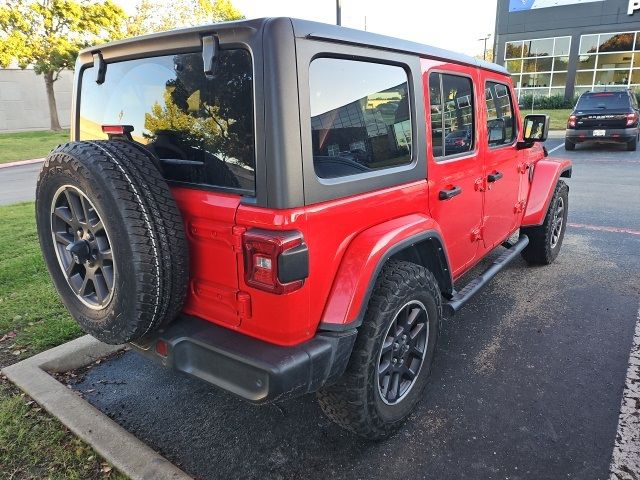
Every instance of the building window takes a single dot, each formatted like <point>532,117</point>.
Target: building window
<point>607,60</point>
<point>537,65</point>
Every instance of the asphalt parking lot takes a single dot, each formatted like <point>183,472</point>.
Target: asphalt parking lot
<point>527,381</point>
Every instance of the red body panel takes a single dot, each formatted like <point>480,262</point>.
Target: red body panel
<point>545,177</point>
<point>360,262</point>
<point>328,229</point>
<point>213,251</point>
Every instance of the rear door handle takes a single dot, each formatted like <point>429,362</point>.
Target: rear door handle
<point>494,177</point>
<point>448,194</point>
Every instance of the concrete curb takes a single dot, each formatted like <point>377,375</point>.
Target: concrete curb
<point>128,454</point>
<point>21,163</point>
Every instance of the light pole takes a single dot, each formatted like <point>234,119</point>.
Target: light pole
<point>338,13</point>
<point>484,53</point>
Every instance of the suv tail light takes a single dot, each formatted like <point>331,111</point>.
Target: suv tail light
<point>572,121</point>
<point>632,118</point>
<point>276,262</point>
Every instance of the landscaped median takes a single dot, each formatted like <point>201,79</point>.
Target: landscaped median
<point>32,319</point>
<point>29,145</point>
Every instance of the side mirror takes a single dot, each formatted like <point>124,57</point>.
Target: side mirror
<point>536,129</point>
<point>497,130</point>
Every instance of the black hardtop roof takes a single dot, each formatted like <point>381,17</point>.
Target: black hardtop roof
<point>310,29</point>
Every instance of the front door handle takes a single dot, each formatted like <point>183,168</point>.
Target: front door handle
<point>448,194</point>
<point>494,177</point>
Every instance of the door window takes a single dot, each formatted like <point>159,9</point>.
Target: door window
<point>452,114</point>
<point>501,122</point>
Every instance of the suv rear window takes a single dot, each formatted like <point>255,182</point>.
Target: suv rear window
<point>201,129</point>
<point>604,100</point>
<point>360,117</point>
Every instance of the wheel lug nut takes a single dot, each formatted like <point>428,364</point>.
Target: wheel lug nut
<point>394,361</point>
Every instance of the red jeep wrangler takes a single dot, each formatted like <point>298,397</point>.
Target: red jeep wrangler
<point>280,207</point>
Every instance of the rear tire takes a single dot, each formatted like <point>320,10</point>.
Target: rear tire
<point>376,394</point>
<point>632,145</point>
<point>545,240</point>
<point>569,145</point>
<point>108,199</point>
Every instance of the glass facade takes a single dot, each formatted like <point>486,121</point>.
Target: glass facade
<point>538,67</point>
<point>608,61</point>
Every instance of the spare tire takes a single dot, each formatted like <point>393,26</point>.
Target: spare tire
<point>112,238</point>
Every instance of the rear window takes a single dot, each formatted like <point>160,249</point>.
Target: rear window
<point>201,129</point>
<point>360,117</point>
<point>604,100</point>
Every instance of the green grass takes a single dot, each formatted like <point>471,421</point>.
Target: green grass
<point>28,145</point>
<point>558,120</point>
<point>33,444</point>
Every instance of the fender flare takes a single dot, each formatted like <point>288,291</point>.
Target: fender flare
<point>363,260</point>
<point>546,174</point>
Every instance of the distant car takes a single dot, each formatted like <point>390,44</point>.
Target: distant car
<point>608,117</point>
<point>458,141</point>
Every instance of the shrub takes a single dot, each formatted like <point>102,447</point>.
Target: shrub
<point>543,102</point>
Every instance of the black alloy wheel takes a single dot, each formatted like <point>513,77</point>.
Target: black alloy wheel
<point>403,352</point>
<point>82,246</point>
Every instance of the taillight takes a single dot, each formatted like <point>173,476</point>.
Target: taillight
<point>572,121</point>
<point>276,262</point>
<point>632,118</point>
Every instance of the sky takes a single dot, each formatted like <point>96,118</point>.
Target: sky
<point>453,24</point>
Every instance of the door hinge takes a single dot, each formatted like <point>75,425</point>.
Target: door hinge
<point>244,305</point>
<point>523,167</point>
<point>519,207</point>
<point>480,184</point>
<point>237,238</point>
<point>477,234</point>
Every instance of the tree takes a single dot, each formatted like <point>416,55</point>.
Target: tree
<point>47,34</point>
<point>488,54</point>
<point>151,17</point>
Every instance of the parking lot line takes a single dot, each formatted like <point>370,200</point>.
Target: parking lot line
<point>555,148</point>
<point>625,461</point>
<point>600,228</point>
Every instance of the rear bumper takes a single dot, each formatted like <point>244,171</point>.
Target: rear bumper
<point>612,135</point>
<point>252,369</point>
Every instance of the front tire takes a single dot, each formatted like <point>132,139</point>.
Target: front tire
<point>545,240</point>
<point>390,365</point>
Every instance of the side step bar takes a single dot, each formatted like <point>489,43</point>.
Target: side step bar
<point>474,286</point>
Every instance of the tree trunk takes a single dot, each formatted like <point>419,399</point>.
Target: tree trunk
<point>51,98</point>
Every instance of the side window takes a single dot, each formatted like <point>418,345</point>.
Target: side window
<point>452,117</point>
<point>360,117</point>
<point>501,122</point>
